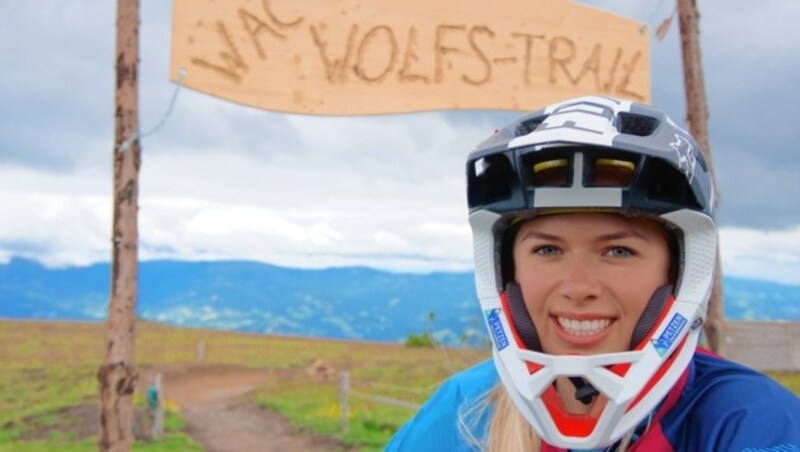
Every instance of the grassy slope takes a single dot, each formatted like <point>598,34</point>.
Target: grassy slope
<point>48,367</point>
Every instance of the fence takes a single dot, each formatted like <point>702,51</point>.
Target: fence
<point>346,391</point>
<point>764,345</point>
<point>760,345</point>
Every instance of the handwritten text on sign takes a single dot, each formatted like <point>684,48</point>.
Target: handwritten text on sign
<point>381,56</point>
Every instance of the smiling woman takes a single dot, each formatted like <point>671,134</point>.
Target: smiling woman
<point>586,277</point>
<point>594,244</point>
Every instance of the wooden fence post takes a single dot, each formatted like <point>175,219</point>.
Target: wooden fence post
<point>201,351</point>
<point>344,390</point>
<point>157,407</point>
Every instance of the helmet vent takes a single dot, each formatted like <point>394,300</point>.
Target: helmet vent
<point>633,124</point>
<point>491,179</point>
<point>526,127</point>
<point>665,183</point>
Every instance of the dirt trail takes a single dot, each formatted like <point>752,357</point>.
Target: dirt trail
<point>215,402</point>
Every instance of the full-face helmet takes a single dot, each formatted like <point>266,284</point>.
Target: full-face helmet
<point>593,154</point>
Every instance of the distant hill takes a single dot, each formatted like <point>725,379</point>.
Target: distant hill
<point>353,302</point>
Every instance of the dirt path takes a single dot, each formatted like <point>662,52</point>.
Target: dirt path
<point>215,402</point>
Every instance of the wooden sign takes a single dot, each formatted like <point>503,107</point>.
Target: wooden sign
<point>350,57</point>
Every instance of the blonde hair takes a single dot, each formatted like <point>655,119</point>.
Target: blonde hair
<point>506,430</point>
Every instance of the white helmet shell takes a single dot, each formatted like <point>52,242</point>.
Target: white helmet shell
<point>670,180</point>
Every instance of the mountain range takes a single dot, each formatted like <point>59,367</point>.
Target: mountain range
<point>349,303</point>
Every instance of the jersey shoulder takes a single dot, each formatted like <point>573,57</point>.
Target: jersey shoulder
<point>727,406</point>
<point>435,426</point>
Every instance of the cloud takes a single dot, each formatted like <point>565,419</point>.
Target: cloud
<point>756,27</point>
<point>56,230</point>
<point>388,239</point>
<point>445,230</point>
<point>223,181</point>
<point>51,101</point>
<point>750,62</point>
<point>757,195</point>
<point>770,255</point>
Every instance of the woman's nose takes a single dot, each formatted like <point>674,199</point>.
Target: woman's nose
<point>580,282</point>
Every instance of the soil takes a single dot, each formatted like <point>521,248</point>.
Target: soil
<point>216,404</point>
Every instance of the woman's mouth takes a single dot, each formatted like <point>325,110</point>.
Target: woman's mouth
<point>576,327</point>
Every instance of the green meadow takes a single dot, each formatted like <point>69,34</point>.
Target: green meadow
<point>48,386</point>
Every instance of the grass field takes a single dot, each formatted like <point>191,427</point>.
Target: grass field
<point>48,383</point>
<point>49,372</point>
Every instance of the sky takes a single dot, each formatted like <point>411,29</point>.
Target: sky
<point>224,181</point>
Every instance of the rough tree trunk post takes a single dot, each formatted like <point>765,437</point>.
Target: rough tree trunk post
<point>117,376</point>
<point>697,120</point>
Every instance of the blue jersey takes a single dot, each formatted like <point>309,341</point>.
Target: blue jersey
<point>717,405</point>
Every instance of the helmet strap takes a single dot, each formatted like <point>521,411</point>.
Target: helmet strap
<point>584,392</point>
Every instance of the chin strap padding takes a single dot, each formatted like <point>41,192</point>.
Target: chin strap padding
<point>521,318</point>
<point>651,314</point>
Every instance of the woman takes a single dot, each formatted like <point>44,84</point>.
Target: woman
<point>595,247</point>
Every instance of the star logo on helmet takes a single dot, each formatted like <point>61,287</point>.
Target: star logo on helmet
<point>687,159</point>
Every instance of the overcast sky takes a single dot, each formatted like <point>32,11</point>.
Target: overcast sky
<point>223,181</point>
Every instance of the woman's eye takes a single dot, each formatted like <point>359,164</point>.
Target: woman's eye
<point>547,250</point>
<point>619,251</point>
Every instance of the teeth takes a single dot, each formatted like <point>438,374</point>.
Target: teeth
<point>583,327</point>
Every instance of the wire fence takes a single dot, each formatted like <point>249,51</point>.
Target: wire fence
<point>346,391</point>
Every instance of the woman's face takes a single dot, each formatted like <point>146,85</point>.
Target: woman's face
<point>586,278</point>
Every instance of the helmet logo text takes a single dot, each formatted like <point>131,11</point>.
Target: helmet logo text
<point>670,333</point>
<point>496,328</point>
<point>583,117</point>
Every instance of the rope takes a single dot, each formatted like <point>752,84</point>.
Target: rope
<point>126,144</point>
<point>424,390</point>
<point>649,20</point>
<point>655,11</point>
<point>387,400</point>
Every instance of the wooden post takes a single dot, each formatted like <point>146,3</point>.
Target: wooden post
<point>117,376</point>
<point>201,351</point>
<point>158,410</point>
<point>344,390</point>
<point>697,120</point>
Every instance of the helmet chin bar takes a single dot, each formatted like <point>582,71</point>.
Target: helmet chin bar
<point>625,402</point>
<point>593,368</point>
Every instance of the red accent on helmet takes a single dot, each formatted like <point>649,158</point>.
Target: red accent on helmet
<point>622,369</point>
<point>659,373</point>
<point>577,425</point>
